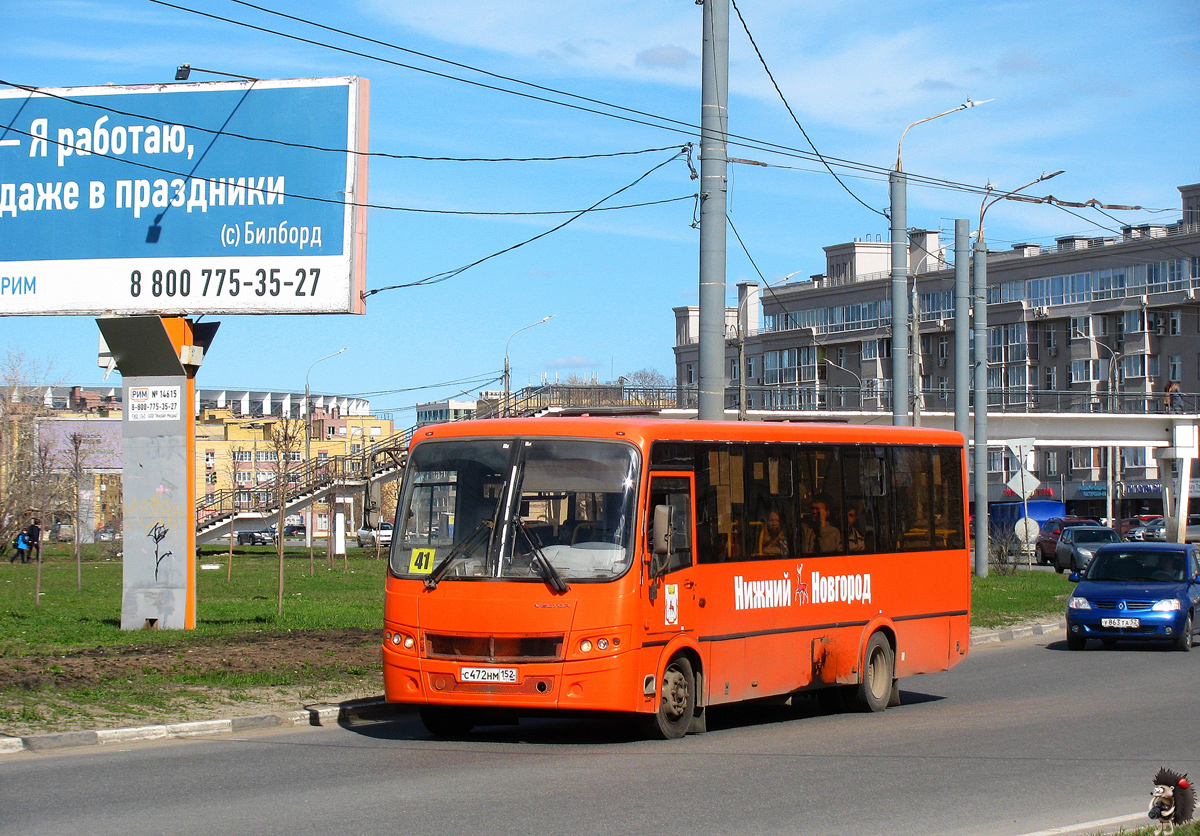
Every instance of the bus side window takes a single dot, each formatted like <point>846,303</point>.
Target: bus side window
<point>676,493</point>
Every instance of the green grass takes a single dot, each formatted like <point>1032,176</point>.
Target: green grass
<point>999,600</point>
<point>165,681</point>
<point>69,618</point>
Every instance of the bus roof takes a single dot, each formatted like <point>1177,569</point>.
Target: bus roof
<point>646,430</point>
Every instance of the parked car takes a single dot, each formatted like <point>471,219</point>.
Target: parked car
<point>367,536</point>
<point>108,533</point>
<point>62,532</point>
<point>255,538</point>
<point>1136,591</point>
<point>1078,543</point>
<point>1049,533</point>
<point>1134,528</point>
<point>1157,531</point>
<point>297,531</point>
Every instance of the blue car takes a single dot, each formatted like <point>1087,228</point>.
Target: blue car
<point>1142,591</point>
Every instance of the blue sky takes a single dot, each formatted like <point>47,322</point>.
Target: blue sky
<point>1106,91</point>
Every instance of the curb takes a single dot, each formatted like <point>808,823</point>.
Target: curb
<point>345,713</point>
<point>1023,631</point>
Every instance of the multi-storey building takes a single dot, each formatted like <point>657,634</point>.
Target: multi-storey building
<point>1099,325</point>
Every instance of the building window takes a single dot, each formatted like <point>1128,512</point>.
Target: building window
<point>210,478</point>
<point>689,373</point>
<point>243,456</point>
<point>1175,368</point>
<point>1050,467</point>
<point>749,367</point>
<point>1175,323</point>
<point>210,459</point>
<point>870,349</point>
<point>1081,326</point>
<point>1051,378</point>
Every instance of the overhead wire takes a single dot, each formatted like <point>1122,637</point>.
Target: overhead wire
<point>662,122</point>
<point>792,113</point>
<point>384,206</point>
<point>437,278</point>
<point>45,92</point>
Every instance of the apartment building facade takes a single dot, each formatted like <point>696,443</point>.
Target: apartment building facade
<point>1100,325</point>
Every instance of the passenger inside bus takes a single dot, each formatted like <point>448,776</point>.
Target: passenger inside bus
<point>772,542</point>
<point>855,540</point>
<point>819,535</point>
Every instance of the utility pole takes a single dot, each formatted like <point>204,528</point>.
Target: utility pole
<point>714,163</point>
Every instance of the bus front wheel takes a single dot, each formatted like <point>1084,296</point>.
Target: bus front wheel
<point>875,690</point>
<point>677,701</point>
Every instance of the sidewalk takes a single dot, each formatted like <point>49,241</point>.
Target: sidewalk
<point>345,713</point>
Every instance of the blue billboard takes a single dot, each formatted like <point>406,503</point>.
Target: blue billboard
<point>221,197</point>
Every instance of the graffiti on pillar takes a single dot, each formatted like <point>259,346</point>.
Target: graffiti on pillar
<point>158,533</point>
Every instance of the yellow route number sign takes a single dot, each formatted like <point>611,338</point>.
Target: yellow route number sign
<point>421,562</point>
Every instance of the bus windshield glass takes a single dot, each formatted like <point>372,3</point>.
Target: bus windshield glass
<point>497,508</point>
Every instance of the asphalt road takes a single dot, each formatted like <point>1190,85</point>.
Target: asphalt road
<point>1022,736</point>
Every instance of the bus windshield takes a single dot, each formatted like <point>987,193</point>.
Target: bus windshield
<point>497,508</point>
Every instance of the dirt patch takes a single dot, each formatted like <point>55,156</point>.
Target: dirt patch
<point>254,652</point>
<point>156,684</point>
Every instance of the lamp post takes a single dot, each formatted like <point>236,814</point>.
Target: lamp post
<point>308,440</point>
<point>741,338</point>
<point>1114,400</point>
<point>898,199</point>
<point>979,292</point>
<point>829,362</point>
<point>507,376</point>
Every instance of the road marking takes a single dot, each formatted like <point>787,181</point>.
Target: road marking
<point>1089,826</point>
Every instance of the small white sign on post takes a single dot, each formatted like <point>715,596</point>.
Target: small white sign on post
<point>154,403</point>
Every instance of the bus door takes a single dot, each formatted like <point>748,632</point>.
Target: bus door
<point>670,567</point>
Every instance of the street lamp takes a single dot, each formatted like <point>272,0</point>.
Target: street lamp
<point>1114,399</point>
<point>741,340</point>
<point>185,70</point>
<point>979,306</point>
<point>898,199</point>
<point>308,439</point>
<point>507,376</point>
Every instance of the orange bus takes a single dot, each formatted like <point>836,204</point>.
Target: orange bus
<point>659,567</point>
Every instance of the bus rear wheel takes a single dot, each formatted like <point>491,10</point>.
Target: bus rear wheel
<point>875,691</point>
<point>676,704</point>
<point>448,723</point>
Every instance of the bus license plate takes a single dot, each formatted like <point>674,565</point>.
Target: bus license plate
<point>505,675</point>
<point>1120,622</point>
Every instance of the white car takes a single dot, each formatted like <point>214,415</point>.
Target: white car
<point>367,536</point>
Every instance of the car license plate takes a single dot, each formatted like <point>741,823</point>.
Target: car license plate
<point>505,675</point>
<point>1120,622</point>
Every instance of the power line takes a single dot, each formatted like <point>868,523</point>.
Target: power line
<point>437,278</point>
<point>385,206</point>
<point>791,113</point>
<point>662,123</point>
<point>40,91</point>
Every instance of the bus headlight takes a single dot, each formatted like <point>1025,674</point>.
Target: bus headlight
<point>586,646</point>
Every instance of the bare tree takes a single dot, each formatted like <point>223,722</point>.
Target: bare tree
<point>29,485</point>
<point>649,379</point>
<point>231,468</point>
<point>287,440</point>
<point>77,464</point>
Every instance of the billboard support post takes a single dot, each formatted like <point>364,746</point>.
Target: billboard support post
<point>158,358</point>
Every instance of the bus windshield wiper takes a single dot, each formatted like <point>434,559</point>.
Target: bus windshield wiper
<point>545,568</point>
<point>458,551</point>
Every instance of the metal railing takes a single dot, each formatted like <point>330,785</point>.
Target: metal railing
<point>310,479</point>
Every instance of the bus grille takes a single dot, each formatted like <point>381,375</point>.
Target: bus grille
<point>494,648</point>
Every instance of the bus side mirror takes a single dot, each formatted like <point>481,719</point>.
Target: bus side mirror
<point>660,532</point>
<point>660,539</point>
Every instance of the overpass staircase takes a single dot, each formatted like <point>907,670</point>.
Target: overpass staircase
<point>297,488</point>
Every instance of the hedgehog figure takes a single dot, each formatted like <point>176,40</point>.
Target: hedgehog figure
<point>1174,800</point>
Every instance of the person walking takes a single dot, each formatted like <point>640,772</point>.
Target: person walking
<point>33,540</point>
<point>20,544</point>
